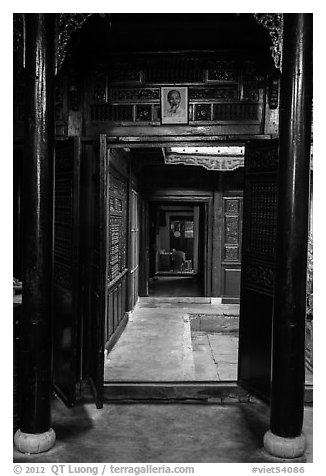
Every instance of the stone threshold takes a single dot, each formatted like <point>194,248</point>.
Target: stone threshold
<point>187,392</point>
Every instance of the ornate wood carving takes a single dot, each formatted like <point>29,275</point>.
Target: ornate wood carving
<point>209,163</point>
<point>222,70</point>
<point>68,23</point>
<point>259,276</point>
<point>108,113</point>
<point>238,98</point>
<point>262,159</point>
<point>273,22</point>
<point>235,112</point>
<point>144,113</point>
<point>125,73</point>
<point>222,92</point>
<point>202,112</point>
<point>231,253</point>
<point>117,229</point>
<point>63,241</point>
<point>231,229</point>
<point>173,68</point>
<point>135,94</point>
<point>273,92</point>
<point>231,205</point>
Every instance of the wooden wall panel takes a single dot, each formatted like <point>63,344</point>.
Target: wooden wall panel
<point>231,246</point>
<point>117,241</point>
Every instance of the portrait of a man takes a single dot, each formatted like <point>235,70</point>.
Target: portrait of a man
<point>174,105</point>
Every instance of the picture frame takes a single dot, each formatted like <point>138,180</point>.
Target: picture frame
<point>174,104</point>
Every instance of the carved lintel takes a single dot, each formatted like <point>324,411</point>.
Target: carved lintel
<point>219,163</point>
<point>273,22</point>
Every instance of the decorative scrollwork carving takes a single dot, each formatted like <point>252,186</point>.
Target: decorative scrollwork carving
<point>68,23</point>
<point>273,22</point>
<point>259,277</point>
<point>209,163</point>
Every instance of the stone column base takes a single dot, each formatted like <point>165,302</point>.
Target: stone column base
<point>34,443</point>
<point>284,447</point>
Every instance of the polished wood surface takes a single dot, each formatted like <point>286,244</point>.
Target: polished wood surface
<point>36,338</point>
<point>291,250</point>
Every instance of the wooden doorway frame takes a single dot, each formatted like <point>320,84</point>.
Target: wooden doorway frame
<point>194,198</point>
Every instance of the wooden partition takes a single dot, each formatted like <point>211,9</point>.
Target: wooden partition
<point>66,269</point>
<point>258,263</point>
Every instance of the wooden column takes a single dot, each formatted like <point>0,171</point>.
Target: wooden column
<point>288,358</point>
<point>35,434</point>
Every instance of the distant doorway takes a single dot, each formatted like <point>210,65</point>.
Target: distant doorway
<point>177,258</point>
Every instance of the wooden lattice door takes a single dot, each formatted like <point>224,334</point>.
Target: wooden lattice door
<point>257,270</point>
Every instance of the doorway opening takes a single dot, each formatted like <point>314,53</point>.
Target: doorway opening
<point>177,332</point>
<point>177,249</point>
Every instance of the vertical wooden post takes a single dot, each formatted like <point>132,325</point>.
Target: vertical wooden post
<point>35,434</point>
<point>288,358</point>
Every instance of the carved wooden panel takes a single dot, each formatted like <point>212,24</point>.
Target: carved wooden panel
<point>220,89</point>
<point>235,112</point>
<point>222,70</point>
<point>108,113</point>
<point>202,112</point>
<point>117,229</point>
<point>135,94</point>
<point>124,73</point>
<point>209,94</point>
<point>231,246</point>
<point>231,253</point>
<point>63,215</point>
<point>174,68</point>
<point>258,277</point>
<point>232,228</point>
<point>231,205</point>
<point>143,113</point>
<point>258,161</point>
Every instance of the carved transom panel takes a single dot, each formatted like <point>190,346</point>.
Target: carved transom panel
<point>210,163</point>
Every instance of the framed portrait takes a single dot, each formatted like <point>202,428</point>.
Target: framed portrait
<point>174,105</point>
